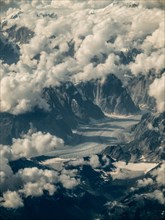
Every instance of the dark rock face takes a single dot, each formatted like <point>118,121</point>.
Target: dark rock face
<point>21,35</point>
<point>149,136</point>
<point>135,207</point>
<point>138,88</point>
<point>67,110</point>
<point>110,95</point>
<point>149,141</point>
<point>128,56</point>
<point>98,195</point>
<point>67,100</point>
<point>9,52</point>
<point>12,126</point>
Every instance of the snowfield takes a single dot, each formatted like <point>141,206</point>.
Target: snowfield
<point>131,170</point>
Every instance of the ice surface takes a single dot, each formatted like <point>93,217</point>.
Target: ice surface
<point>93,138</point>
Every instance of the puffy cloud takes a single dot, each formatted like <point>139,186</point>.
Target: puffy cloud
<point>20,94</point>
<point>35,144</point>
<point>32,182</point>
<point>30,145</point>
<point>145,182</point>
<point>11,200</point>
<point>35,181</point>
<point>78,162</point>
<point>94,161</point>
<point>157,90</point>
<point>68,178</point>
<point>80,41</point>
<point>100,71</point>
<point>156,40</point>
<point>157,195</point>
<point>68,182</point>
<point>6,174</point>
<point>159,174</point>
<point>143,63</point>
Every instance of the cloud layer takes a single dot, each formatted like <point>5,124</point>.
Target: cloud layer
<point>31,181</point>
<point>78,41</point>
<point>157,90</point>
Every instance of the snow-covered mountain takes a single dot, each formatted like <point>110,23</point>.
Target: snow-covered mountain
<point>67,68</point>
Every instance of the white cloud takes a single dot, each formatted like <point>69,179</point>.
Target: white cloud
<point>68,182</point>
<point>93,28</point>
<point>78,162</point>
<point>20,95</point>
<point>11,200</point>
<point>36,181</point>
<point>6,174</point>
<point>145,182</point>
<point>157,90</point>
<point>94,161</point>
<point>157,195</point>
<point>35,144</point>
<point>31,181</point>
<point>145,62</point>
<point>159,173</point>
<point>68,178</point>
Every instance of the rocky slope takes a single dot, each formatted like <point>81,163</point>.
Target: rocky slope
<point>109,94</point>
<point>138,88</point>
<point>112,199</point>
<point>148,141</point>
<point>9,52</point>
<point>67,109</point>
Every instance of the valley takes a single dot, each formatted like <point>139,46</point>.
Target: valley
<point>94,137</point>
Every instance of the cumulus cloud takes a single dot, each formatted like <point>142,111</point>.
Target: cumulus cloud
<point>145,182</point>
<point>68,182</point>
<point>157,195</point>
<point>31,144</point>
<point>35,144</point>
<point>157,90</point>
<point>159,174</point>
<point>35,181</point>
<point>94,161</point>
<point>14,187</point>
<point>11,200</point>
<point>6,174</point>
<point>32,182</point>
<point>83,41</point>
<point>78,162</point>
<point>17,97</point>
<point>144,63</point>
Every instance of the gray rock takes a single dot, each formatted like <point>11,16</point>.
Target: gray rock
<point>110,95</point>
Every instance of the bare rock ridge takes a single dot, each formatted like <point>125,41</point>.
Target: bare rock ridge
<point>69,106</point>
<point>138,88</point>
<point>109,94</point>
<point>9,52</point>
<point>148,141</point>
<point>67,109</point>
